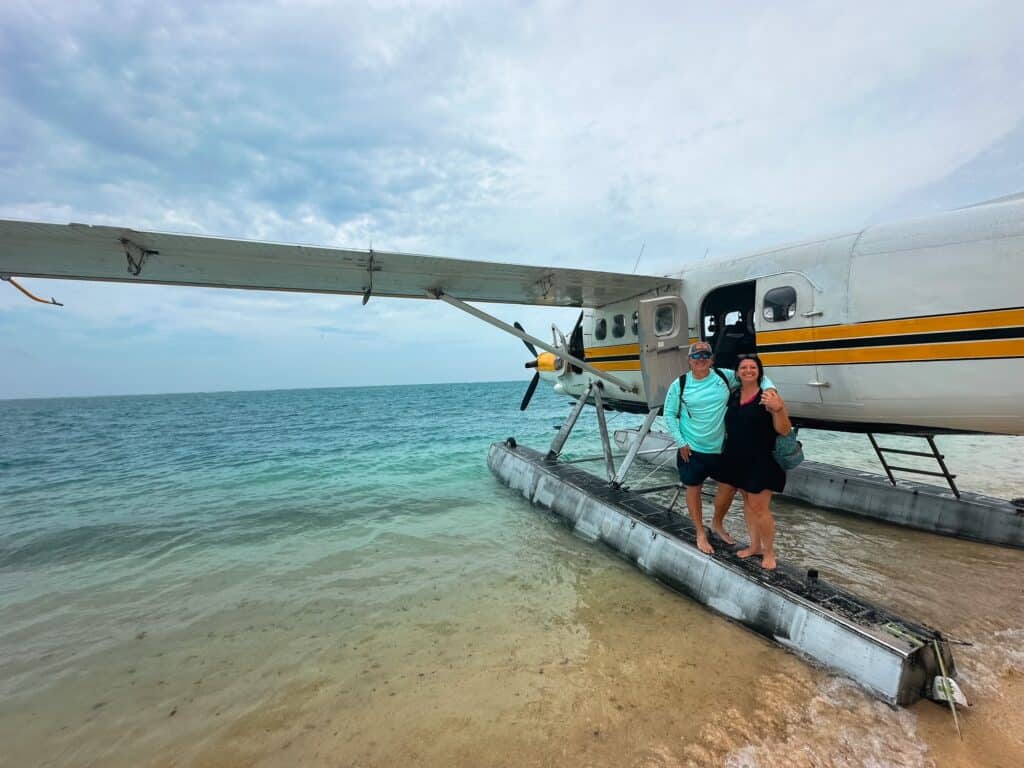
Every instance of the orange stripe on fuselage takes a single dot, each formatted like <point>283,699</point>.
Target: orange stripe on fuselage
<point>615,350</point>
<point>955,350</point>
<point>999,318</point>
<point>615,365</point>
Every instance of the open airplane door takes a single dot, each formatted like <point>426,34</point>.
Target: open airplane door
<point>664,340</point>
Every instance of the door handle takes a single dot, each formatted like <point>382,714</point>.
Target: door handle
<point>813,313</point>
<point>818,384</point>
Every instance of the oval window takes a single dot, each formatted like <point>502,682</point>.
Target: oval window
<point>664,320</point>
<point>619,326</point>
<point>601,329</point>
<point>780,304</point>
<point>636,323</point>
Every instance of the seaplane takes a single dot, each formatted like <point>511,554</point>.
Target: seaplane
<point>913,328</point>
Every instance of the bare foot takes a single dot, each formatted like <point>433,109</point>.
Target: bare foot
<point>724,535</point>
<point>768,562</point>
<point>748,552</point>
<point>704,545</point>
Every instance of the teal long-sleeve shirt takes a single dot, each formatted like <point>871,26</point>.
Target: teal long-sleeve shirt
<point>701,425</point>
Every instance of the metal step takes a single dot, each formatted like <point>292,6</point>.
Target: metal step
<point>939,458</point>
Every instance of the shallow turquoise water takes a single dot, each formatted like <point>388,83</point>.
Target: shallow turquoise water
<point>109,505</point>
<point>174,568</point>
<point>92,480</point>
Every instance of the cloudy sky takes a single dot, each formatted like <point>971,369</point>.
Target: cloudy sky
<point>543,132</point>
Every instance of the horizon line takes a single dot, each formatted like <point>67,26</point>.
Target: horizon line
<point>4,399</point>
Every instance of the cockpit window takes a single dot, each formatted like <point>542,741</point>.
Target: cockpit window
<point>664,320</point>
<point>636,323</point>
<point>601,329</point>
<point>780,304</point>
<point>619,326</point>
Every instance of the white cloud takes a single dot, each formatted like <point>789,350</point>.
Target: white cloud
<point>768,119</point>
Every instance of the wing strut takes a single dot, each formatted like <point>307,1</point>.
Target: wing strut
<point>492,320</point>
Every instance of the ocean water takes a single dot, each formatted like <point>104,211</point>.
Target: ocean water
<point>333,577</point>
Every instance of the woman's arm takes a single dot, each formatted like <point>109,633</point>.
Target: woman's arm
<point>773,401</point>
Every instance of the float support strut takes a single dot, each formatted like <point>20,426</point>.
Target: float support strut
<point>606,445</point>
<point>568,424</point>
<point>634,449</point>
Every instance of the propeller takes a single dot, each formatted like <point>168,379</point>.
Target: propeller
<point>529,391</point>
<point>529,346</point>
<point>532,387</point>
<point>576,342</point>
<point>579,322</point>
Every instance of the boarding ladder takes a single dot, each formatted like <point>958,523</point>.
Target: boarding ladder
<point>932,454</point>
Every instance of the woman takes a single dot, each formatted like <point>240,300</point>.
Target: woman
<point>753,419</point>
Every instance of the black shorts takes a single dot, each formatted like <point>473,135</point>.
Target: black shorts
<point>752,474</point>
<point>699,468</point>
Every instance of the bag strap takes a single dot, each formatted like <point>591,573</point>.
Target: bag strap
<point>723,377</point>
<point>682,386</point>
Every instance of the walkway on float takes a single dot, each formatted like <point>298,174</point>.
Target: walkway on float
<point>893,657</point>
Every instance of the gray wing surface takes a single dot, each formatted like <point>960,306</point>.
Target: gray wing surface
<point>84,252</point>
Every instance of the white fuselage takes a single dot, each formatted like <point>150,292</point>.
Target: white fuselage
<point>910,326</point>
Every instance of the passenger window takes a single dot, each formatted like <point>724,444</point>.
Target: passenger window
<point>780,304</point>
<point>664,320</point>
<point>636,323</point>
<point>601,330</point>
<point>619,326</point>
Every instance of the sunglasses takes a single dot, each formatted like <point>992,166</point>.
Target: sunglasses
<point>700,356</point>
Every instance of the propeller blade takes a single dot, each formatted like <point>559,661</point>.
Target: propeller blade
<point>529,391</point>
<point>576,342</point>
<point>579,321</point>
<point>529,346</point>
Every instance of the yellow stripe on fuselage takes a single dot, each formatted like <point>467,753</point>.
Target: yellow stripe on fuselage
<point>615,365</point>
<point>878,353</point>
<point>596,353</point>
<point>999,318</point>
<point>953,350</point>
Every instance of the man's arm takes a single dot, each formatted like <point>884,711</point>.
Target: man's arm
<point>670,412</point>
<point>777,408</point>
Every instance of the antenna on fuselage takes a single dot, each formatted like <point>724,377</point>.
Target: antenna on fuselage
<point>644,245</point>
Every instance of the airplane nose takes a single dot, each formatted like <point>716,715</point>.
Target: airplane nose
<point>545,363</point>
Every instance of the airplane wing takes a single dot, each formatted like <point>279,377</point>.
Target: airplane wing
<point>84,252</point>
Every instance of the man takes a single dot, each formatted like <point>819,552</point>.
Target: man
<point>699,431</point>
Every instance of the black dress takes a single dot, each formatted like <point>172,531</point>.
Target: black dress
<point>747,460</point>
